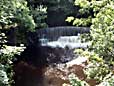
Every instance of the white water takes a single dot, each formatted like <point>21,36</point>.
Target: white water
<point>65,41</point>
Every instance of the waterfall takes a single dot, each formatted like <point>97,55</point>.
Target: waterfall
<point>65,41</point>
<point>50,46</point>
<point>62,37</point>
<point>58,37</point>
<point>53,33</point>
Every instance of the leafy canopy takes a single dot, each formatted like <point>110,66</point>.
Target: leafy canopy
<point>15,13</point>
<point>100,17</point>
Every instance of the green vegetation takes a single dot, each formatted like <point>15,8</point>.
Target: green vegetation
<point>6,56</point>
<point>17,15</point>
<point>75,81</point>
<point>96,14</point>
<point>101,33</point>
<point>39,16</point>
<point>102,28</point>
<point>88,10</point>
<point>100,15</point>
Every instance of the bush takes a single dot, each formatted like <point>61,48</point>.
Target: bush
<point>39,16</point>
<point>101,37</point>
<point>7,54</point>
<point>108,82</point>
<point>75,81</point>
<point>96,67</point>
<point>102,26</point>
<point>3,76</point>
<point>88,10</point>
<point>102,33</point>
<point>15,13</point>
<point>6,57</point>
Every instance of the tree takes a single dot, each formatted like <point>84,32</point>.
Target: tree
<point>100,18</point>
<point>101,15</point>
<point>87,11</point>
<point>15,13</point>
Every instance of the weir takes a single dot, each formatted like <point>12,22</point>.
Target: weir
<point>62,37</point>
<point>30,69</point>
<point>51,45</point>
<point>53,33</point>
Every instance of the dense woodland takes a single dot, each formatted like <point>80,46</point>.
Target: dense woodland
<point>20,17</point>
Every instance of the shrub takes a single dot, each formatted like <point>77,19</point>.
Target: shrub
<point>96,67</point>
<point>75,81</point>
<point>102,26</point>
<point>102,33</point>
<point>3,76</point>
<point>88,10</point>
<point>39,15</point>
<point>15,13</point>
<point>108,81</point>
<point>6,56</point>
<point>101,37</point>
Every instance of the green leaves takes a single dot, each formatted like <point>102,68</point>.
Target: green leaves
<point>6,56</point>
<point>82,3</point>
<point>101,21</point>
<point>75,81</point>
<point>91,9</point>
<point>3,76</point>
<point>15,12</point>
<point>69,19</point>
<point>97,71</point>
<point>39,16</point>
<point>102,32</point>
<point>101,51</point>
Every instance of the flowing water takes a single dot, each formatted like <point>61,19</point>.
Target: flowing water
<point>54,33</point>
<point>47,47</point>
<point>65,41</point>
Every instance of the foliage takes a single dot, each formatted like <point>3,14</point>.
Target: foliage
<point>38,10</point>
<point>108,82</point>
<point>79,21</point>
<point>2,39</point>
<point>102,30</point>
<point>39,16</point>
<point>6,56</point>
<point>92,56</point>
<point>96,67</point>
<point>7,53</point>
<point>97,71</point>
<point>101,15</point>
<point>75,81</point>
<point>15,13</point>
<point>3,76</point>
<point>88,10</point>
